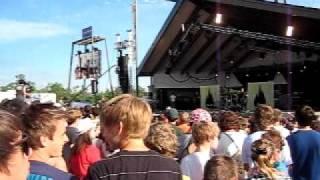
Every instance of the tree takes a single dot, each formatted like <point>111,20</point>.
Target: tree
<point>21,79</point>
<point>10,86</point>
<point>142,91</point>
<point>59,90</point>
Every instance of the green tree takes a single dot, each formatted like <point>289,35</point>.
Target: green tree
<point>9,86</point>
<point>59,90</point>
<point>13,85</point>
<point>141,91</point>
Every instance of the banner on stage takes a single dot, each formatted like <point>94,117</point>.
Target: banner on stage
<point>210,96</point>
<point>260,93</point>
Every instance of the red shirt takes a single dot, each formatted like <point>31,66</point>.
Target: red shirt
<point>79,163</point>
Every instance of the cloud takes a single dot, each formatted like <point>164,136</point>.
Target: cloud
<point>15,30</point>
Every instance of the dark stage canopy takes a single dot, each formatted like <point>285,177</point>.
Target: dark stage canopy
<point>250,40</point>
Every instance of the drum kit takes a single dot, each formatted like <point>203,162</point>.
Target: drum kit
<point>235,100</point>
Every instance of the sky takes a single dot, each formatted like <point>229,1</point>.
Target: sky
<point>36,35</point>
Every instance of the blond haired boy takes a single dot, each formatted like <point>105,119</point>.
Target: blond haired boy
<point>125,122</point>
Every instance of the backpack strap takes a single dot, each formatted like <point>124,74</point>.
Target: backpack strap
<point>233,142</point>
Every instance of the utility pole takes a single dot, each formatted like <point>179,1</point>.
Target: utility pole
<point>135,43</point>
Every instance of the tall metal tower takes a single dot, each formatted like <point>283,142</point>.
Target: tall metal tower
<point>135,45</point>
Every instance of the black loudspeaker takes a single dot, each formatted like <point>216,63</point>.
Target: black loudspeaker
<point>123,73</point>
<point>94,86</point>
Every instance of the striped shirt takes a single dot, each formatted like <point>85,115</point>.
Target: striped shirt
<point>135,165</point>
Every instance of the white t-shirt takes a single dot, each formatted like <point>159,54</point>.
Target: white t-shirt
<point>246,148</point>
<point>230,143</point>
<point>283,131</point>
<point>193,165</point>
<point>285,154</point>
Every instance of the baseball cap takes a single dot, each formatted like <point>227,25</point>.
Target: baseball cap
<point>172,114</point>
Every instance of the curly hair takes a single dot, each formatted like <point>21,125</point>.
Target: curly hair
<point>204,131</point>
<point>262,151</point>
<point>275,137</point>
<point>161,138</point>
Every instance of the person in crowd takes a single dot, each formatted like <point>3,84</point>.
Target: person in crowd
<point>14,150</point>
<point>184,122</point>
<point>46,128</point>
<point>186,145</point>
<point>172,100</point>
<point>72,132</point>
<point>15,106</point>
<point>315,125</point>
<point>205,136</point>
<point>263,155</point>
<point>87,112</point>
<point>161,138</point>
<point>95,113</point>
<point>263,121</point>
<point>221,167</point>
<point>305,146</point>
<point>75,124</point>
<point>230,140</point>
<point>277,118</point>
<point>125,122</point>
<point>290,122</point>
<point>171,116</point>
<point>185,139</point>
<point>284,162</point>
<point>84,151</point>
<point>244,125</point>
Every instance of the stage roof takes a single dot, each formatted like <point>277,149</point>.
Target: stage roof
<point>252,34</point>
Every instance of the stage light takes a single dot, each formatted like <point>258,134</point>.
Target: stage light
<point>279,79</point>
<point>183,28</point>
<point>289,32</point>
<point>218,19</point>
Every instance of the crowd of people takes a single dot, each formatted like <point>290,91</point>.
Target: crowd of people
<point>123,140</point>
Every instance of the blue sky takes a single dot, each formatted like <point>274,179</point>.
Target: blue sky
<point>36,35</point>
